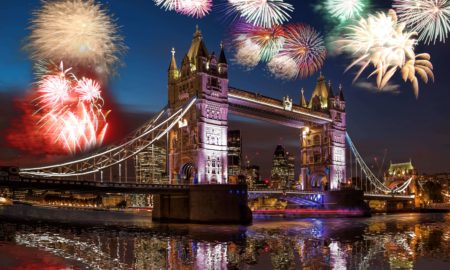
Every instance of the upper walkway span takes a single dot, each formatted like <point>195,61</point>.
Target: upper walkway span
<point>284,112</point>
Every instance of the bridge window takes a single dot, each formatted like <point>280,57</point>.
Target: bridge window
<point>316,139</point>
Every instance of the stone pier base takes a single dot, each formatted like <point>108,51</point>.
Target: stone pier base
<point>346,200</point>
<point>204,204</point>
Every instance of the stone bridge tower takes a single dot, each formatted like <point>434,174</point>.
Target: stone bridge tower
<point>323,146</point>
<point>198,145</point>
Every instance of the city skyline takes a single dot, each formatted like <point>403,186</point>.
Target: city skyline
<point>406,127</point>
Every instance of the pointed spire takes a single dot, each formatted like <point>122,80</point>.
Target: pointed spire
<point>341,93</point>
<point>197,48</point>
<point>302,99</point>
<point>173,62</point>
<point>330,90</point>
<point>222,58</point>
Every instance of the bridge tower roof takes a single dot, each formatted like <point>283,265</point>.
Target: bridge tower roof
<point>198,47</point>
<point>322,91</point>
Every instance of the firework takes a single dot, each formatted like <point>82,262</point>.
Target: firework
<point>78,32</point>
<point>195,8</point>
<point>429,18</point>
<point>345,9</point>
<point>383,43</point>
<point>305,47</point>
<point>269,40</point>
<point>248,53</point>
<point>88,90</point>
<point>283,67</point>
<point>70,109</point>
<point>264,13</point>
<point>168,4</point>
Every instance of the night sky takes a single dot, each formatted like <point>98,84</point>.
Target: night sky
<point>392,122</point>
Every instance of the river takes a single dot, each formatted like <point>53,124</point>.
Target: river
<point>400,241</point>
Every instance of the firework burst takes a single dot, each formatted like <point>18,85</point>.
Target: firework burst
<point>269,40</point>
<point>167,4</point>
<point>283,67</point>
<point>345,9</point>
<point>78,32</point>
<point>305,47</point>
<point>263,13</point>
<point>248,54</point>
<point>193,8</point>
<point>383,43</point>
<point>429,18</point>
<point>70,109</point>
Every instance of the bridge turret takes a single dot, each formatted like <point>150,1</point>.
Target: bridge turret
<point>320,95</point>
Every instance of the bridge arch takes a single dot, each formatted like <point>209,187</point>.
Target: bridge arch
<point>319,180</point>
<point>188,173</point>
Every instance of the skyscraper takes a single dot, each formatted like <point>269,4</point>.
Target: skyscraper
<point>234,155</point>
<point>283,167</point>
<point>151,165</point>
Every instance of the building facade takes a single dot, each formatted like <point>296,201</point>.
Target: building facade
<point>323,146</point>
<point>151,165</point>
<point>399,173</point>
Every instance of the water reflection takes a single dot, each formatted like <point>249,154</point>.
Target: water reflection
<point>381,242</point>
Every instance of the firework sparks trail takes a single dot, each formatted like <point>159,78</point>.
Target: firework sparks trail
<point>305,47</point>
<point>71,109</point>
<point>80,32</point>
<point>429,18</point>
<point>263,13</point>
<point>383,43</point>
<point>345,9</point>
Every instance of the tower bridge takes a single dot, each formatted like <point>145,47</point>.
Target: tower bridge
<point>195,124</point>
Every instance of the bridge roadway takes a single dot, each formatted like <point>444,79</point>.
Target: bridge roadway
<point>16,181</point>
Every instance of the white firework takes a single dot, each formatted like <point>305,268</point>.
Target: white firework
<point>429,18</point>
<point>345,9</point>
<point>78,32</point>
<point>383,43</point>
<point>283,67</point>
<point>264,13</point>
<point>248,53</point>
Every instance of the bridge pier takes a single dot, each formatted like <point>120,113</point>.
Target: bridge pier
<point>204,204</point>
<point>346,199</point>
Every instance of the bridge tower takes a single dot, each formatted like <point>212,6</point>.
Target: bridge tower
<point>323,146</point>
<point>198,145</point>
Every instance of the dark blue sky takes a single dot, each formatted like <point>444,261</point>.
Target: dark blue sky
<point>396,121</point>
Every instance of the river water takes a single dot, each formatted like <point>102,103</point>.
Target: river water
<point>401,241</point>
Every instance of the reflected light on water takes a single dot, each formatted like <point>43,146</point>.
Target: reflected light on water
<point>380,242</point>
